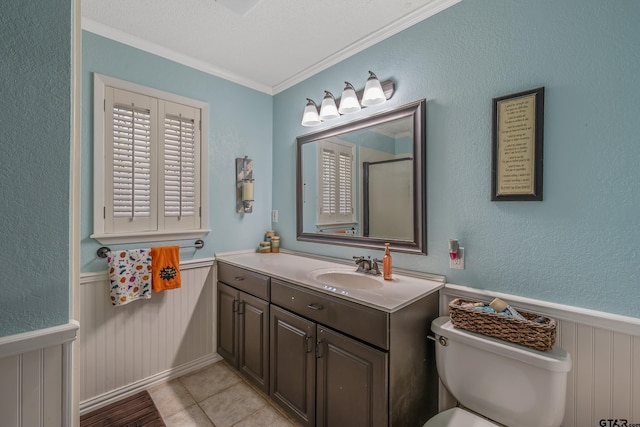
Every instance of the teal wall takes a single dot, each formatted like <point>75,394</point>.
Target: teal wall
<point>576,247</point>
<point>240,124</point>
<point>35,147</point>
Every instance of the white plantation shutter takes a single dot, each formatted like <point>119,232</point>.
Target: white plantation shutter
<point>336,183</point>
<point>180,166</point>
<point>131,162</point>
<point>148,174</point>
<point>131,203</point>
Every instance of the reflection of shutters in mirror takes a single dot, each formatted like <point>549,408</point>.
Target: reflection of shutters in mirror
<point>328,188</point>
<point>336,184</point>
<point>179,166</point>
<point>344,184</point>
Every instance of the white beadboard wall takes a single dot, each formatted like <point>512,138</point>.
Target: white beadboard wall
<point>125,349</point>
<point>604,382</point>
<point>35,372</point>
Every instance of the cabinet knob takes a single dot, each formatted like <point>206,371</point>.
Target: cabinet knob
<point>238,278</point>
<point>315,306</point>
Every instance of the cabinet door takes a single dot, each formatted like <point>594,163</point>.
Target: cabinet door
<point>352,382</point>
<point>228,302</point>
<point>253,340</point>
<point>293,364</point>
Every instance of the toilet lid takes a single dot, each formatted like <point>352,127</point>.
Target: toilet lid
<point>458,417</point>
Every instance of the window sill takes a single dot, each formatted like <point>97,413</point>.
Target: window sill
<point>156,236</point>
<point>336,224</point>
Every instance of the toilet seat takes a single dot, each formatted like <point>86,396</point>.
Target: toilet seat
<point>458,417</point>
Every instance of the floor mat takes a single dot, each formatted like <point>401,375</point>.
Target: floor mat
<point>133,411</point>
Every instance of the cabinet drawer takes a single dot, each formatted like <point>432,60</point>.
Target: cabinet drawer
<point>357,320</point>
<point>245,280</point>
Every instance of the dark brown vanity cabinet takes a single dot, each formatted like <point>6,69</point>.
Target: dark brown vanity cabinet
<point>293,364</point>
<point>243,322</point>
<point>323,377</point>
<point>326,360</point>
<point>371,367</point>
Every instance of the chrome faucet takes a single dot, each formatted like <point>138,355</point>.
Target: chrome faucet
<point>367,265</point>
<point>374,267</point>
<point>364,265</point>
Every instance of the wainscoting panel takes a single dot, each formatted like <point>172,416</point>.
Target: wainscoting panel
<point>604,383</point>
<point>34,378</point>
<point>124,348</point>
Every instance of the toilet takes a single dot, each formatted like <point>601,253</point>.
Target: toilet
<point>497,383</point>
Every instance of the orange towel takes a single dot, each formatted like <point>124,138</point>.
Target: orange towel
<point>165,268</point>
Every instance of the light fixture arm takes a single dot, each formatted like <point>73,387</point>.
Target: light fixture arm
<point>312,102</point>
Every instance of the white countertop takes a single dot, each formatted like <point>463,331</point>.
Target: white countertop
<point>391,296</point>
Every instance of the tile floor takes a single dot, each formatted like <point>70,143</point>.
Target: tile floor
<point>216,396</point>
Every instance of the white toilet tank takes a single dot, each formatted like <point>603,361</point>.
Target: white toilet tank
<point>507,383</point>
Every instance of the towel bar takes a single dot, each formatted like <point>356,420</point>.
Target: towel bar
<point>102,252</point>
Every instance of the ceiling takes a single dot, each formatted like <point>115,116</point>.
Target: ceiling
<point>268,45</point>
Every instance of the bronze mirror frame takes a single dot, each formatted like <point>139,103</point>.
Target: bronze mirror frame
<point>416,110</point>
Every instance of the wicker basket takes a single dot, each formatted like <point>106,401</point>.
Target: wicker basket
<point>540,336</point>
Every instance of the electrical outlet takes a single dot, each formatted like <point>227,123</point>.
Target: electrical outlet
<point>458,263</point>
<point>274,216</point>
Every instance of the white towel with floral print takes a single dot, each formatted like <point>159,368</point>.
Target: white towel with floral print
<point>129,275</point>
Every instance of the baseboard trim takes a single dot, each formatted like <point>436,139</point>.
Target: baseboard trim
<point>146,383</point>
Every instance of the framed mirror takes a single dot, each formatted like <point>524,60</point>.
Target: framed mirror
<point>363,183</point>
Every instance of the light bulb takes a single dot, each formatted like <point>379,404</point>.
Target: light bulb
<point>328,109</point>
<point>349,100</point>
<point>373,93</point>
<point>310,116</point>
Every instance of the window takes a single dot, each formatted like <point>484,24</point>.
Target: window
<point>150,169</point>
<point>336,183</point>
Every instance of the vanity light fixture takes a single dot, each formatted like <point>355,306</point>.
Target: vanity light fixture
<point>374,93</point>
<point>244,185</point>
<point>328,109</point>
<point>349,100</point>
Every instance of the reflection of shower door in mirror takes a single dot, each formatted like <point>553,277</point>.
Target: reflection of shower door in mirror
<point>388,199</point>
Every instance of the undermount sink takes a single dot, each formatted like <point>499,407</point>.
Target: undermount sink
<point>346,279</point>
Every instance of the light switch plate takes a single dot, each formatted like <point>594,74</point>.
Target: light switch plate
<point>274,216</point>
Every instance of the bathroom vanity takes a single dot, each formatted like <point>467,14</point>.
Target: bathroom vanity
<point>330,346</point>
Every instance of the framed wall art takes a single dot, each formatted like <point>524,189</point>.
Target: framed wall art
<point>517,146</point>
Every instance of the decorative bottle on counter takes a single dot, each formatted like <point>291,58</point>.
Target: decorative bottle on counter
<point>386,263</point>
<point>275,244</point>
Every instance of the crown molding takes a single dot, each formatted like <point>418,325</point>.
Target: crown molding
<point>368,41</point>
<point>138,43</point>
<point>384,33</point>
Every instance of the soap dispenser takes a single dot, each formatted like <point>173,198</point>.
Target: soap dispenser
<point>386,263</point>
